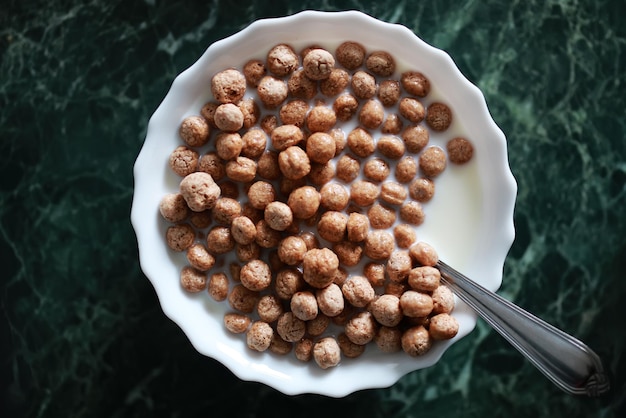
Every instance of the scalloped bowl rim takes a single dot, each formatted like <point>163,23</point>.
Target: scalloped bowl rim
<point>289,376</point>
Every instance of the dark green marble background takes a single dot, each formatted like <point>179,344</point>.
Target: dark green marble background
<point>82,333</point>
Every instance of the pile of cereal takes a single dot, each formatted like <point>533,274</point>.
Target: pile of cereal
<point>308,231</point>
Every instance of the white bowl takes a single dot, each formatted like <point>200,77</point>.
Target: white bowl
<point>470,220</point>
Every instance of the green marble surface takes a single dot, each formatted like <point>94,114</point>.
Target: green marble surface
<point>82,333</point>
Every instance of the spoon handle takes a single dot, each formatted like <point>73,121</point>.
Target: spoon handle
<point>567,362</point>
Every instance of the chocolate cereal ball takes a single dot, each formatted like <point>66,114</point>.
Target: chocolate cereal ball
<point>269,123</point>
<point>334,196</point>
<point>291,250</point>
<point>375,273</point>
<point>349,253</point>
<point>371,114</point>
<point>379,245</point>
<point>192,280</point>
<point>416,304</point>
<point>376,169</point>
<point>398,266</point>
<point>439,117</point>
<point>381,63</point>
<point>318,325</point>
<point>183,161</point>
<point>218,286</point>
<point>304,349</point>
<point>250,111</point>
<point>259,336</point>
<point>236,323</point>
<point>228,86</point>
<point>254,143</point>
<point>330,300</point>
<point>443,300</point>
<point>321,174</point>
<point>272,91</point>
<point>212,164</point>
<point>392,125</point>
<point>219,240</point>
<point>415,138</point>
<point>460,150</point>
<point>200,220</point>
<point>388,339</point>
<point>285,136</point>
<point>243,230</point>
<point>267,165</point>
<point>228,145</point>
<point>350,54</point>
<point>405,235</point>
<point>247,252</point>
<point>358,291</point>
<point>422,189</point>
<point>319,267</point>
<point>364,193</point>
<point>304,305</point>
<point>294,163</point>
<point>424,254</point>
<point>288,282</point>
<point>278,215</point>
<point>194,130</point>
<point>320,119</point>
<point>326,353</point>
<point>416,341</point>
<point>173,207</point>
<point>241,169</point>
<point>208,113</point>
<point>260,194</point>
<point>361,328</point>
<point>393,193</point>
<point>320,147</point>
<point>443,327</point>
<point>424,279</point>
<point>256,275</point>
<point>332,226</point>
<point>228,117</point>
<point>432,161</point>
<point>406,169</point>
<point>415,83</point>
<point>412,213</point>
<point>266,237</point>
<point>282,60</point>
<point>391,147</point>
<point>336,82</point>
<point>199,257</point>
<point>243,299</point>
<point>363,85</point>
<point>294,112</point>
<point>200,191</point>
<point>412,109</point>
<point>225,210</point>
<point>345,106</point>
<point>361,142</point>
<point>269,308</point>
<point>381,217</point>
<point>300,86</point>
<point>348,168</point>
<point>357,227</point>
<point>386,310</point>
<point>290,328</point>
<point>348,348</point>
<point>304,202</point>
<point>389,92</point>
<point>318,64</point>
<point>253,71</point>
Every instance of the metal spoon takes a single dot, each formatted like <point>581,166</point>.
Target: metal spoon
<point>567,362</point>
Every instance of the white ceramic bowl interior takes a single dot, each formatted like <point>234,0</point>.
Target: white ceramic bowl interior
<point>469,221</point>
